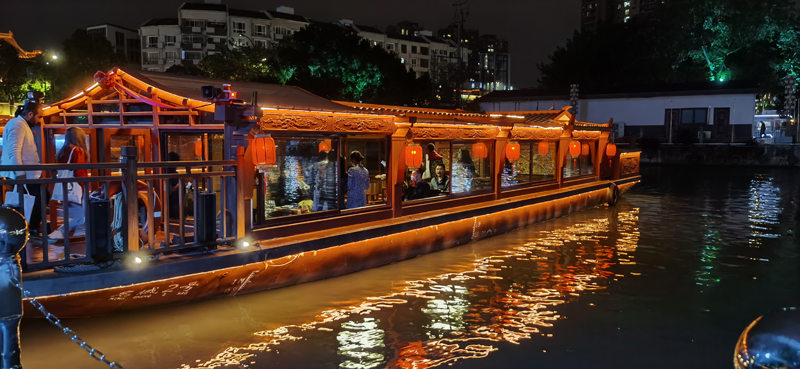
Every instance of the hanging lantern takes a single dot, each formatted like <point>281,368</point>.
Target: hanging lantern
<point>585,150</point>
<point>512,151</point>
<point>413,155</point>
<point>611,150</point>
<point>325,145</point>
<point>263,150</point>
<point>574,148</point>
<point>544,148</point>
<point>479,151</point>
<point>198,148</point>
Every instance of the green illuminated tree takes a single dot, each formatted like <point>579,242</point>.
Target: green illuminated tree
<point>334,62</point>
<point>13,75</point>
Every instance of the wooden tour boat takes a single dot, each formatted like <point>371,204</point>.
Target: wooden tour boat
<point>235,197</point>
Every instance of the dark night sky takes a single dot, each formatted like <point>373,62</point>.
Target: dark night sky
<point>533,27</point>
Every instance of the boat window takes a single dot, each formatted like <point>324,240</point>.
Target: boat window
<point>535,164</point>
<point>375,162</point>
<point>305,177</point>
<point>471,170</point>
<point>116,143</point>
<point>450,167</point>
<point>582,164</point>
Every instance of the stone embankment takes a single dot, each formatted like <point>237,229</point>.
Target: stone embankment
<point>770,155</point>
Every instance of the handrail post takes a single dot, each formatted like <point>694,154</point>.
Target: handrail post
<point>129,187</point>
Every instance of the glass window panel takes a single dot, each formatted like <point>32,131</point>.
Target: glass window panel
<point>518,172</point>
<point>579,166</point>
<point>543,167</point>
<point>469,172</point>
<point>303,179</point>
<point>375,163</point>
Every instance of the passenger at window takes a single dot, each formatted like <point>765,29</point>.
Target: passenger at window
<point>415,186</point>
<point>325,187</point>
<point>432,159</point>
<point>440,182</point>
<point>357,181</point>
<point>463,172</point>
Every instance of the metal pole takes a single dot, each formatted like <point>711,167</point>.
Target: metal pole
<point>13,236</point>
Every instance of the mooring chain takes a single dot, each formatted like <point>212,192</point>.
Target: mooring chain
<point>94,353</point>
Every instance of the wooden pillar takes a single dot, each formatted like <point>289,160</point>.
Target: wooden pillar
<point>501,141</point>
<point>397,169</point>
<point>130,192</point>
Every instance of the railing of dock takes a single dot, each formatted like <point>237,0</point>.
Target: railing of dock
<point>141,223</point>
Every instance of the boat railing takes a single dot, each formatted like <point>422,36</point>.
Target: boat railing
<point>178,207</point>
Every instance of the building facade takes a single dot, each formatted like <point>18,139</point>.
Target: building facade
<point>692,114</point>
<point>125,41</point>
<point>597,12</point>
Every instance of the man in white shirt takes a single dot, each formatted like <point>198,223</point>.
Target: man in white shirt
<point>19,148</point>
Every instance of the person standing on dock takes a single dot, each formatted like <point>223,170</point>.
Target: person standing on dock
<point>19,148</point>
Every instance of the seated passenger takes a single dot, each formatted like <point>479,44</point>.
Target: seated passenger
<point>440,181</point>
<point>416,187</point>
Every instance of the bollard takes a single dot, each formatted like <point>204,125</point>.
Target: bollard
<point>13,237</point>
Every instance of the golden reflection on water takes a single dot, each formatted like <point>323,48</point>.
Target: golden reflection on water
<point>504,298</point>
<point>765,208</point>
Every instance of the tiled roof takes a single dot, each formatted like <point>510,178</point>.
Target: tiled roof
<point>368,29</point>
<point>294,17</point>
<point>248,13</point>
<point>407,38</point>
<point>204,6</point>
<point>161,22</point>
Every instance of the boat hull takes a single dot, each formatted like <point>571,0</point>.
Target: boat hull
<point>272,268</point>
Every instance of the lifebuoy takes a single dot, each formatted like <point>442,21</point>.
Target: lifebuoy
<point>614,195</point>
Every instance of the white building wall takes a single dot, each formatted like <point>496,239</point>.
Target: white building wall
<point>649,111</point>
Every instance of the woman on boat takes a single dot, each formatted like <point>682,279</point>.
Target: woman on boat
<point>357,182</point>
<point>73,152</point>
<point>463,172</point>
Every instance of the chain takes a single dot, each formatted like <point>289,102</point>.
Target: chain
<point>94,353</point>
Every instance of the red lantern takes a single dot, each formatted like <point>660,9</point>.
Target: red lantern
<point>413,156</point>
<point>585,149</point>
<point>544,148</point>
<point>611,150</point>
<point>198,148</point>
<point>512,151</point>
<point>574,148</point>
<point>479,151</point>
<point>263,150</point>
<point>325,145</point>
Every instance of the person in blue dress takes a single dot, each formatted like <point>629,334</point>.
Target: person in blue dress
<point>357,181</point>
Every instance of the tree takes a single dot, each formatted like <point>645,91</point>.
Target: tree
<point>335,63</point>
<point>13,75</point>
<point>243,63</point>
<point>83,56</point>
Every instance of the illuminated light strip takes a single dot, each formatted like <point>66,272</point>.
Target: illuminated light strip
<point>327,112</point>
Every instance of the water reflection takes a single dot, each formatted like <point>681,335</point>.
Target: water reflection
<point>507,297</point>
<point>765,208</point>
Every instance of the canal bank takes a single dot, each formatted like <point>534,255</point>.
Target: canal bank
<point>771,155</point>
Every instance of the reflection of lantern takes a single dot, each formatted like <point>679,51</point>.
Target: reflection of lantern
<point>512,151</point>
<point>585,149</point>
<point>198,148</point>
<point>413,156</point>
<point>263,150</point>
<point>479,151</point>
<point>611,150</point>
<point>544,148</point>
<point>574,148</point>
<point>325,145</point>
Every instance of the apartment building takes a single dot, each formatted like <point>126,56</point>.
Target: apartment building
<point>597,12</point>
<point>125,41</point>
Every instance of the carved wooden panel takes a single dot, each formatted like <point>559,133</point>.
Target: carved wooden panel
<point>629,164</point>
<point>300,122</point>
<point>586,135</point>
<point>453,133</point>
<point>538,134</point>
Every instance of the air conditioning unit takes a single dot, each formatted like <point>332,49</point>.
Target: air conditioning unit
<point>195,29</point>
<point>210,30</point>
<point>197,45</point>
<point>211,46</point>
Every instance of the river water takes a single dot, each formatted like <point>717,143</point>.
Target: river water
<point>669,277</point>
